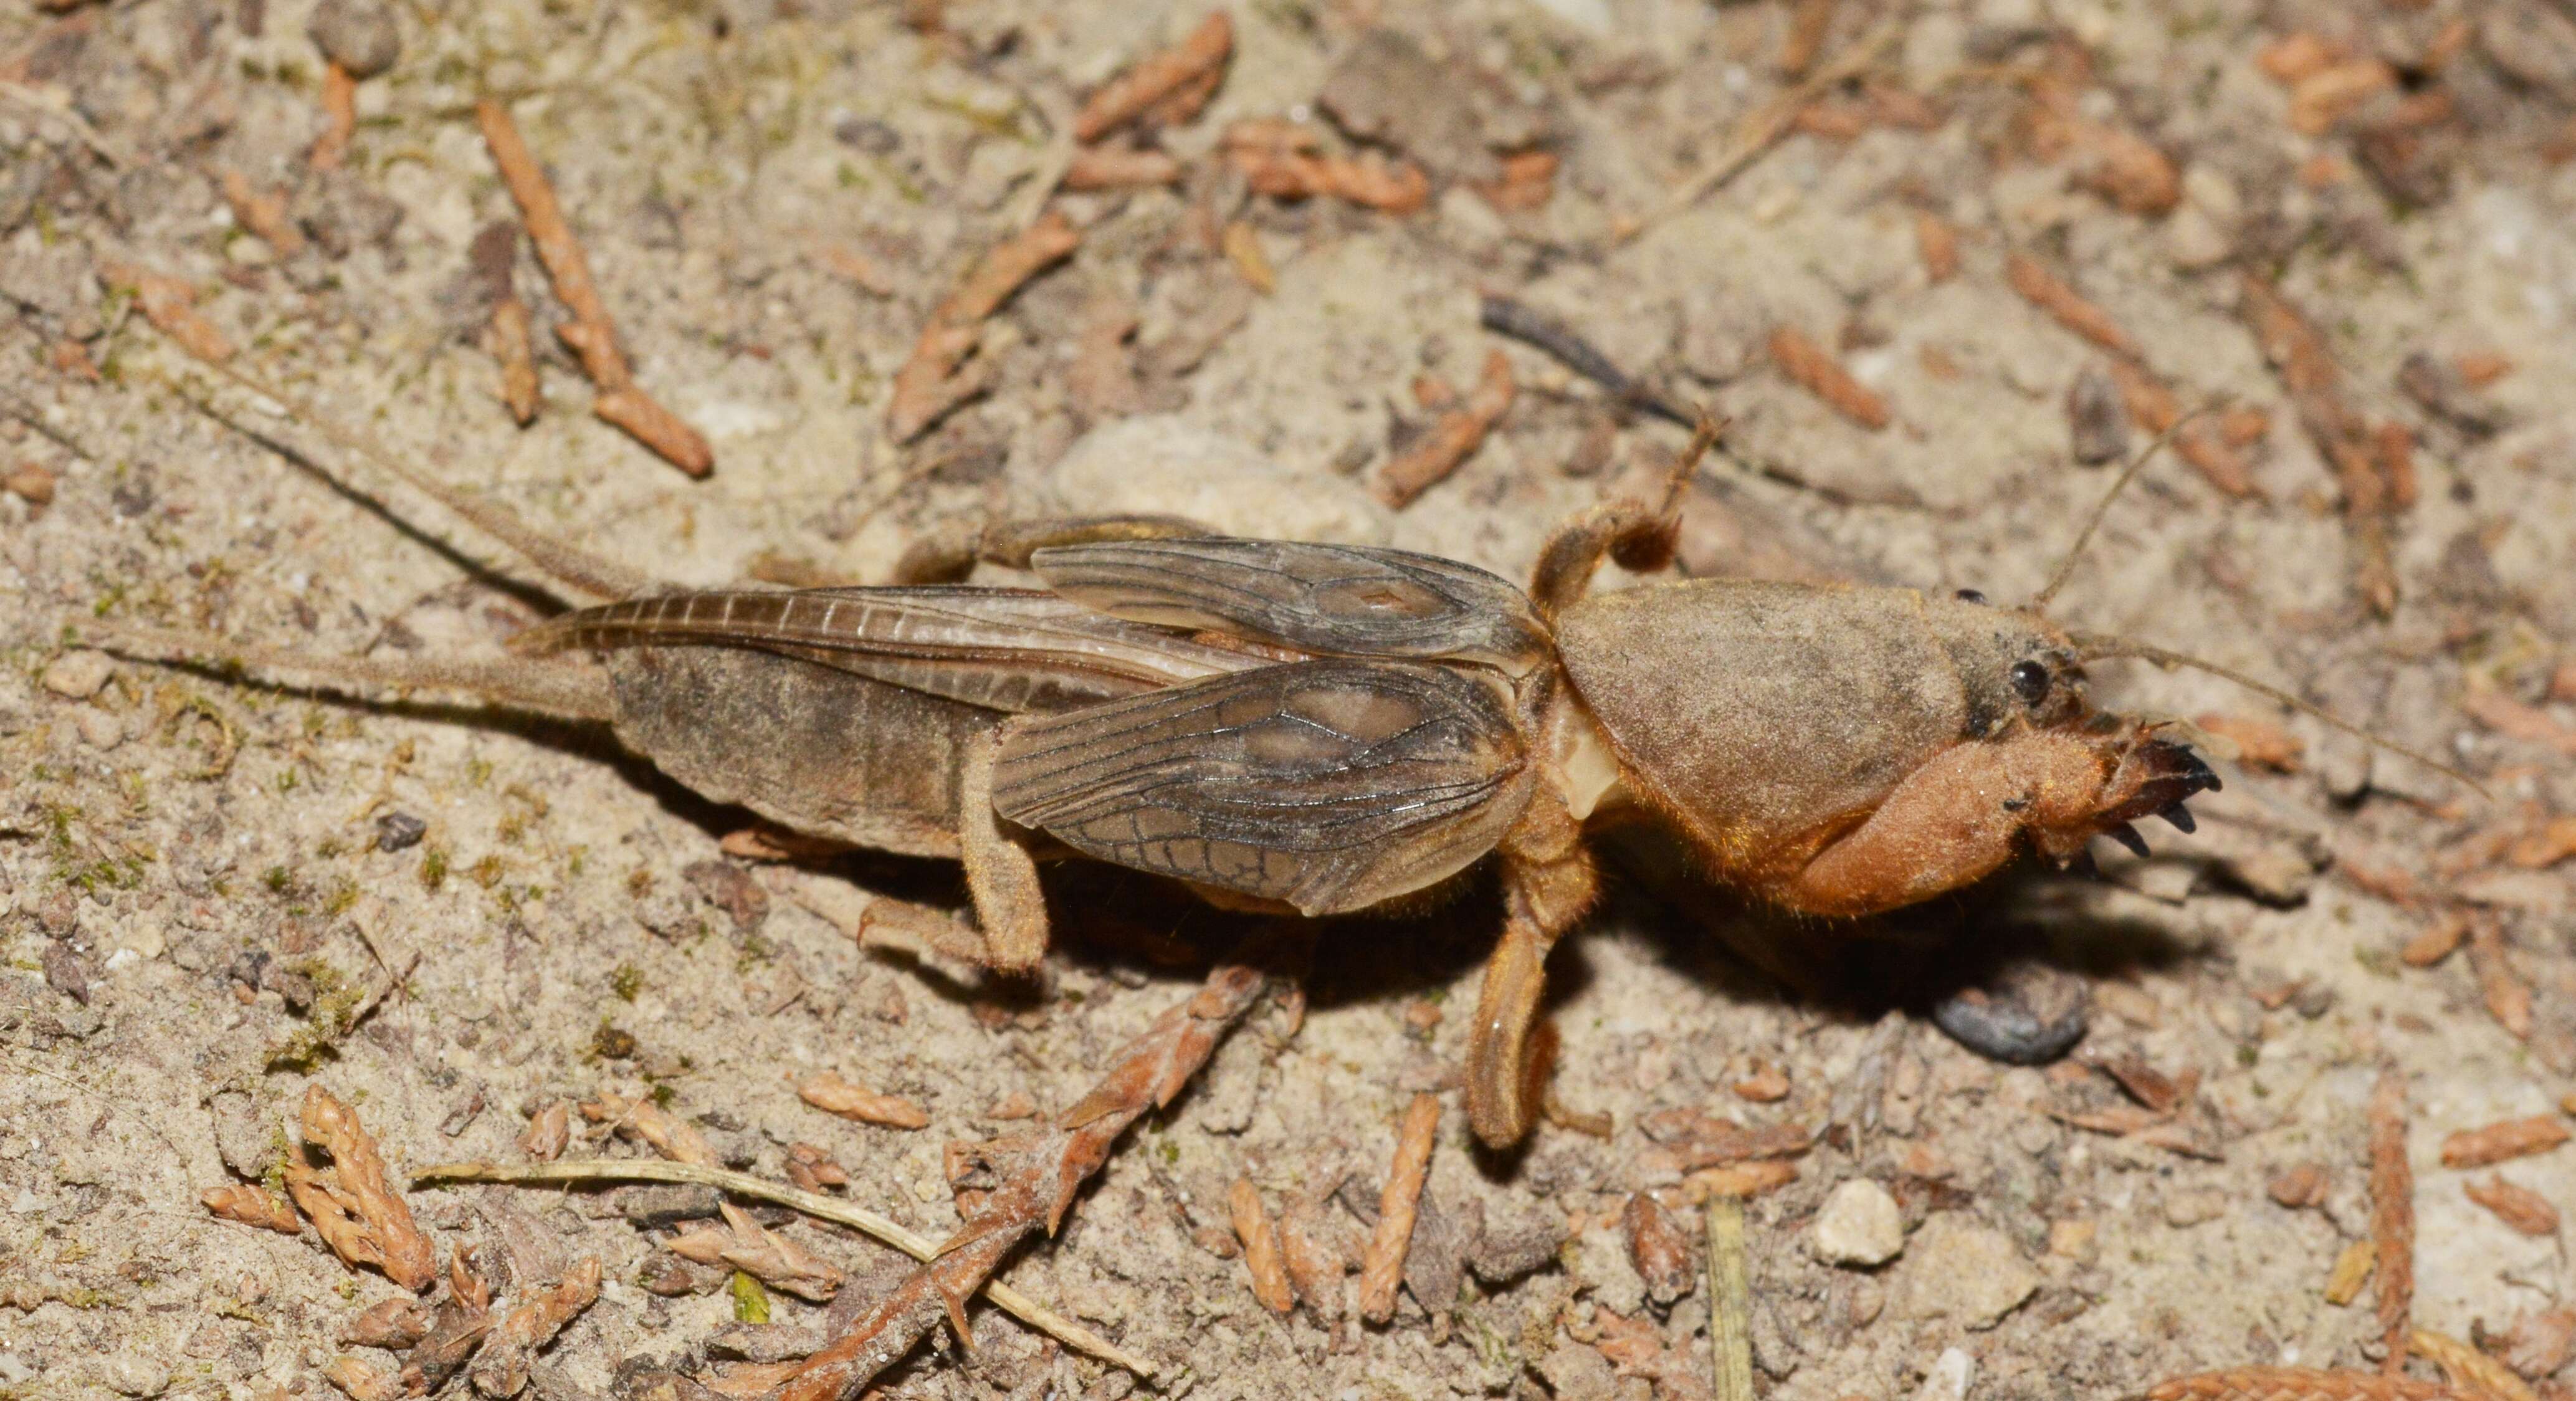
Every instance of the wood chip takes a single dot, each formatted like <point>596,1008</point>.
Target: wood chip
<point>2435,943</point>
<point>1285,160</point>
<point>2392,1217</point>
<point>1659,1249</point>
<point>2303,1185</point>
<point>393,1324</point>
<point>936,380</point>
<point>1451,439</point>
<point>591,334</point>
<point>664,1134</point>
<point>2514,720</point>
<point>2294,56</point>
<point>1737,1180</point>
<point>2507,996</point>
<point>834,1095</point>
<point>2050,293</point>
<point>1936,241</point>
<point>2260,743</point>
<point>1768,1084</point>
<point>1242,244</point>
<point>2352,1268</point>
<point>1809,366</point>
<point>330,150</point>
<point>1261,1249</point>
<point>2208,450</point>
<point>170,304</point>
<point>2502,1142</point>
<point>1809,23</point>
<point>351,1204</point>
<point>549,1131</point>
<point>2546,845</point>
<point>2515,1205</point>
<point>507,337</point>
<point>1120,168</point>
<point>253,1206</point>
<point>262,212</point>
<point>2325,97</point>
<point>1382,1266</point>
<point>1198,61</point>
<point>362,1382</point>
<point>1528,182</point>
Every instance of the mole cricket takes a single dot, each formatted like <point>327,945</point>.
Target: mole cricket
<point>1318,729</point>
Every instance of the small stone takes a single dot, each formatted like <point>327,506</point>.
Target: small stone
<point>134,1375</point>
<point>1578,1373</point>
<point>2097,419</point>
<point>14,1370</point>
<point>31,483</point>
<point>246,1142</point>
<point>2195,241</point>
<point>399,831</point>
<point>358,35</point>
<point>1859,1225</point>
<point>78,675</point>
<point>98,729</point>
<point>2194,1208</point>
<point>1956,1268</point>
<point>1948,1378</point>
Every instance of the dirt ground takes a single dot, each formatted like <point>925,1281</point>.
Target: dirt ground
<point>203,882</point>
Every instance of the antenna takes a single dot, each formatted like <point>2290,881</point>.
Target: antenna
<point>2075,552</point>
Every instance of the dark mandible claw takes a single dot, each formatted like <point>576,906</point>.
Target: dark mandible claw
<point>2179,816</point>
<point>2127,836</point>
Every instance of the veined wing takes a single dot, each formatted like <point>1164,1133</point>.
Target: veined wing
<point>1331,785</point>
<point>1338,600</point>
<point>1009,649</point>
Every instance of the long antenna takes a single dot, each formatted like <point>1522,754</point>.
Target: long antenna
<point>2096,647</point>
<point>2075,552</point>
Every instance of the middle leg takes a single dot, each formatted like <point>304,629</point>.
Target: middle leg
<point>1548,882</point>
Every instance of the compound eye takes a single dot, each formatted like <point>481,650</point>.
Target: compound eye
<point>2030,681</point>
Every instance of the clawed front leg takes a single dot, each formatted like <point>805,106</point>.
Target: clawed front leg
<point>1548,882</point>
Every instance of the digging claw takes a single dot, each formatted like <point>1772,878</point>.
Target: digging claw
<point>2179,816</point>
<point>2127,836</point>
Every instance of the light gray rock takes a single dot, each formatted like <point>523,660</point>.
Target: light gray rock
<point>1859,1225</point>
<point>78,675</point>
<point>1958,1269</point>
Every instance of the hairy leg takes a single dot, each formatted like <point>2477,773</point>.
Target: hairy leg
<point>1640,535</point>
<point>1000,876</point>
<point>1548,882</point>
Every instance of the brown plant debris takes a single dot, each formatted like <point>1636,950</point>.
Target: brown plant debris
<point>2392,1216</point>
<point>360,1381</point>
<point>591,334</point>
<point>2209,450</point>
<point>1038,1174</point>
<point>1312,1248</point>
<point>814,1204</point>
<point>1163,89</point>
<point>2515,1205</point>
<point>1262,1253</point>
<point>937,378</point>
<point>1286,160</point>
<point>2502,1142</point>
<point>356,1212</point>
<point>2302,1384</point>
<point>2342,436</point>
<point>744,1244</point>
<point>1120,168</point>
<point>1659,1249</point>
<point>170,304</point>
<point>2301,1185</point>
<point>253,1206</point>
<point>2468,1369</point>
<point>834,1095</point>
<point>501,1369</point>
<point>1687,1140</point>
<point>657,1127</point>
<point>1808,25</point>
<point>1813,369</point>
<point>1382,1266</point>
<point>1936,241</point>
<point>2537,1344</point>
<point>263,212</point>
<point>2352,1269</point>
<point>549,1131</point>
<point>2515,720</point>
<point>2437,940</point>
<point>507,336</point>
<point>812,1169</point>
<point>2507,996</point>
<point>1730,1292</point>
<point>1528,182</point>
<point>1452,438</point>
<point>394,1324</point>
<point>2067,307</point>
<point>457,1325</point>
<point>2260,743</point>
<point>330,150</point>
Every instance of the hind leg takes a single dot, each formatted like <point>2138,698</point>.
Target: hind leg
<point>949,556</point>
<point>1000,876</point>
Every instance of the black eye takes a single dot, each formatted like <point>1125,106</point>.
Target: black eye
<point>2029,681</point>
<point>1970,596</point>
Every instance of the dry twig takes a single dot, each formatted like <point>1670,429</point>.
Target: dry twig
<point>2507,996</point>
<point>1382,1267</point>
<point>1038,1173</point>
<point>253,1206</point>
<point>931,383</point>
<point>356,1212</point>
<point>2502,1142</point>
<point>2515,1205</point>
<point>2301,1384</point>
<point>814,1204</point>
<point>170,304</point>
<point>590,334</point>
<point>1262,1253</point>
<point>2392,1217</point>
<point>339,119</point>
<point>1120,168</point>
<point>1730,1293</point>
<point>508,336</point>
<point>2342,437</point>
<point>1285,160</point>
<point>1452,439</point>
<point>834,1095</point>
<point>1819,373</point>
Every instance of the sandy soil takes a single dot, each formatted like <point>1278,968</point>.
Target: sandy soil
<point>197,886</point>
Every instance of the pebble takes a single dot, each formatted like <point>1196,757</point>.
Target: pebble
<point>78,675</point>
<point>98,729</point>
<point>1859,1225</point>
<point>1958,1269</point>
<point>2192,1208</point>
<point>358,35</point>
<point>1948,1380</point>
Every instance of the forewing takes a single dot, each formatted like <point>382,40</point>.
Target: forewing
<point>1339,600</point>
<point>1006,649</point>
<point>1330,785</point>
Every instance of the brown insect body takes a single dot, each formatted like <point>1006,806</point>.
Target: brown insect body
<point>1330,729</point>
